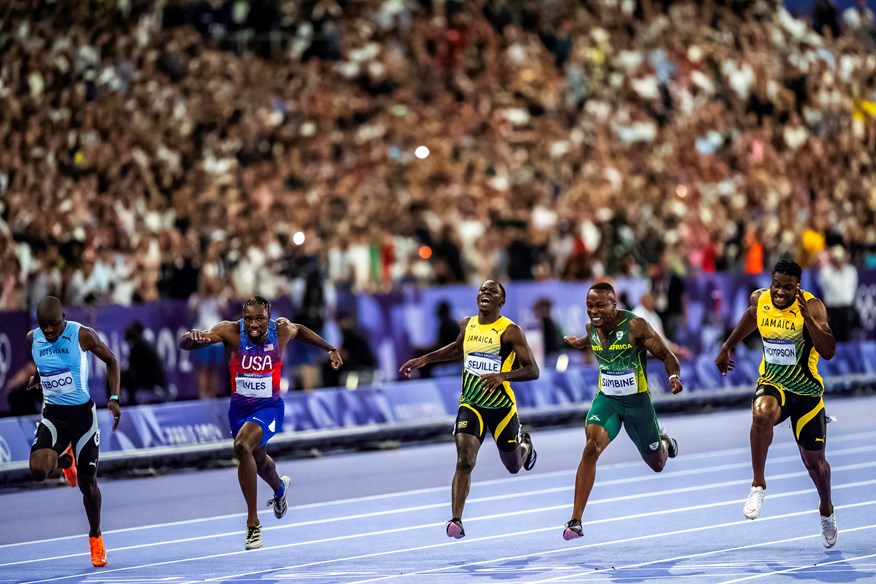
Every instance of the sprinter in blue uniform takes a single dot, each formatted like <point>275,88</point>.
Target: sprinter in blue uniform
<point>59,349</point>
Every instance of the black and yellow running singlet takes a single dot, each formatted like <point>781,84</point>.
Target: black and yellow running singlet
<point>485,353</point>
<point>790,361</point>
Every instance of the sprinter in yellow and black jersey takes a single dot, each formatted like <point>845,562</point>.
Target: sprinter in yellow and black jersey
<point>795,332</point>
<point>494,352</point>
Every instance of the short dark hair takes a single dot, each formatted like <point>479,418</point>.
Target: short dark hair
<point>258,301</point>
<point>502,288</point>
<point>788,267</point>
<point>603,287</point>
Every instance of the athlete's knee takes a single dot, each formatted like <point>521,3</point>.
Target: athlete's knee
<point>242,448</point>
<point>87,484</point>
<point>592,450</point>
<point>465,462</point>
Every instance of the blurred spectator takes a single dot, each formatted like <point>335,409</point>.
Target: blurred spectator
<point>670,300</point>
<point>646,309</point>
<point>145,135</point>
<point>144,380</point>
<point>448,330</point>
<point>839,285</point>
<point>551,332</point>
<point>360,363</point>
<point>209,305</point>
<point>24,401</point>
<point>311,296</point>
<point>859,21</point>
<point>825,18</point>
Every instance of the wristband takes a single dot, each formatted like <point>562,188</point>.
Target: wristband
<point>676,376</point>
<point>114,398</point>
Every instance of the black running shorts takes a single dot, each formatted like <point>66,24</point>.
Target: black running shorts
<point>502,423</point>
<point>808,421</point>
<point>61,426</point>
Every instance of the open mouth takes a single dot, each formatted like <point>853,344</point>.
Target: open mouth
<point>485,300</point>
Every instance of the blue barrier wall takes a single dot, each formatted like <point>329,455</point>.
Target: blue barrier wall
<point>399,321</point>
<point>423,402</point>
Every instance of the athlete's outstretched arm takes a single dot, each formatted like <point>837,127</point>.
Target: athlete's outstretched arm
<point>301,333</point>
<point>582,342</point>
<point>450,352</point>
<point>746,325</point>
<point>641,330</point>
<point>220,333</point>
<point>815,317</point>
<point>528,369</point>
<point>89,341</point>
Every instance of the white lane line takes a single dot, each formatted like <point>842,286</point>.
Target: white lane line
<point>799,568</point>
<point>433,546</point>
<point>602,501</point>
<point>636,538</point>
<point>579,575</point>
<point>504,480</point>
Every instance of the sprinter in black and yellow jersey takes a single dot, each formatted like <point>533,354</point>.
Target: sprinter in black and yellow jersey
<point>495,352</point>
<point>620,340</point>
<point>793,325</point>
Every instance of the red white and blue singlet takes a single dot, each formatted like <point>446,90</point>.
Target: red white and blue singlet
<point>255,383</point>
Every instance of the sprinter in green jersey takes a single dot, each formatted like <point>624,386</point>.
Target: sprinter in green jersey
<point>620,340</point>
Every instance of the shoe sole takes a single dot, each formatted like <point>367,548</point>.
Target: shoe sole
<point>253,547</point>
<point>750,514</point>
<point>99,564</point>
<point>570,534</point>
<point>455,531</point>
<point>530,460</point>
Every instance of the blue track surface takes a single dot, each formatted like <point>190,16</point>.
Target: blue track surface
<point>379,516</point>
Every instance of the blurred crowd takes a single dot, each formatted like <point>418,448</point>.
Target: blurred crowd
<point>180,149</point>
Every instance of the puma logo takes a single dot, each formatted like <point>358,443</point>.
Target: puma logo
<point>495,330</point>
<point>794,312</point>
<point>819,439</point>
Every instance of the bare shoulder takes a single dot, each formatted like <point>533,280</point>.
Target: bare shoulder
<point>286,327</point>
<point>29,337</point>
<point>755,296</point>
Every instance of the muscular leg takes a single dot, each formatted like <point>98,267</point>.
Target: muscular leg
<point>656,460</point>
<point>43,462</point>
<point>467,447</point>
<point>245,443</point>
<point>597,441</point>
<point>819,470</point>
<point>266,468</point>
<point>92,499</point>
<point>514,459</point>
<point>765,414</point>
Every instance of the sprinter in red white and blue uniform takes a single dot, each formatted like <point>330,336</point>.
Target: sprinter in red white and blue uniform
<point>255,345</point>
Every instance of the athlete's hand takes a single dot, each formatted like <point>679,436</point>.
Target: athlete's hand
<point>492,381</point>
<point>724,362</point>
<point>804,306</point>
<point>577,342</point>
<point>33,384</point>
<point>199,337</point>
<point>116,410</point>
<point>675,385</point>
<point>336,359</point>
<point>409,366</point>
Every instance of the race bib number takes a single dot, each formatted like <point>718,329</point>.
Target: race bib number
<point>483,363</point>
<point>618,382</point>
<point>255,384</point>
<point>57,382</point>
<point>780,351</point>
